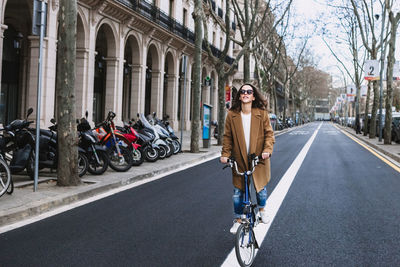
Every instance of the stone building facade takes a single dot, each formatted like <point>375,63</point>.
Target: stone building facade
<point>129,60</point>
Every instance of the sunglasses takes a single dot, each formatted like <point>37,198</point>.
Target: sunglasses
<point>249,92</point>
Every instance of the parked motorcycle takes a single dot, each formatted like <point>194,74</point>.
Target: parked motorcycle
<point>96,155</point>
<point>119,148</point>
<point>132,136</point>
<point>48,151</point>
<point>19,143</point>
<point>145,140</point>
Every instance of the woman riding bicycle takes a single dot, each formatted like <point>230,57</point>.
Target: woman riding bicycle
<point>248,131</point>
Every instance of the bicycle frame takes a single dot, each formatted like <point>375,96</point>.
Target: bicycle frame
<point>249,208</point>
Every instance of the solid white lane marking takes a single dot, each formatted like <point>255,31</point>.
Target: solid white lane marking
<point>276,198</point>
<point>71,206</point>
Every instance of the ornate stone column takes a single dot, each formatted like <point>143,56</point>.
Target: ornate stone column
<point>2,29</point>
<point>156,92</point>
<point>136,105</point>
<point>81,90</point>
<point>172,100</point>
<point>111,94</point>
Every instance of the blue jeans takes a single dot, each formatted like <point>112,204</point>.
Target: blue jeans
<point>238,196</point>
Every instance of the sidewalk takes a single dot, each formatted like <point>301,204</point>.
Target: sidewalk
<point>25,203</point>
<point>392,151</point>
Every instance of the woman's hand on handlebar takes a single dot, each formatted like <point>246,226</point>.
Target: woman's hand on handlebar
<point>224,160</point>
<point>265,155</point>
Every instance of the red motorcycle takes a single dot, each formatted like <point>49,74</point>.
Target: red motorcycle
<point>118,146</point>
<point>131,135</point>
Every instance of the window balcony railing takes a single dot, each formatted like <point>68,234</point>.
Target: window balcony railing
<point>153,13</point>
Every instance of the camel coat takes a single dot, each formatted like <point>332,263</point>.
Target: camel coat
<point>261,140</point>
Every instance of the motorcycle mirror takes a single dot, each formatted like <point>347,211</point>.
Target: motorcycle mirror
<point>86,114</point>
<point>30,111</point>
<point>53,121</point>
<point>137,115</point>
<point>77,121</point>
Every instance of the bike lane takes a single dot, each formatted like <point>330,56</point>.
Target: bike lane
<point>182,219</point>
<point>341,209</point>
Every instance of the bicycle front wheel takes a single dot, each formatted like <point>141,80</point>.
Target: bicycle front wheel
<point>5,177</point>
<point>245,245</point>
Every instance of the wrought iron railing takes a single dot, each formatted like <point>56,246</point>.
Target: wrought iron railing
<point>153,13</point>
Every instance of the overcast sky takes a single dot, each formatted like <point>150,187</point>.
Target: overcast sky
<point>314,10</point>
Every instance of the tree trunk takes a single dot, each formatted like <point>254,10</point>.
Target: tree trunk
<point>389,78</point>
<point>372,127</point>
<point>67,134</point>
<point>221,105</point>
<point>366,123</point>
<point>194,141</point>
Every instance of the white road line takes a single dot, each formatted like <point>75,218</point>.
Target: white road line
<point>275,199</point>
<point>59,210</point>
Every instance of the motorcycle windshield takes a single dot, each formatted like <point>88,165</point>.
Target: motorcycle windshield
<point>145,121</point>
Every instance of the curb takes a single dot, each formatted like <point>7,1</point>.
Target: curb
<point>391,155</point>
<point>40,208</point>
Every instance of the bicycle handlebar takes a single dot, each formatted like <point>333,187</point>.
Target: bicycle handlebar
<point>232,163</point>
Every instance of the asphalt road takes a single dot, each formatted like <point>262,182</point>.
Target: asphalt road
<point>342,209</point>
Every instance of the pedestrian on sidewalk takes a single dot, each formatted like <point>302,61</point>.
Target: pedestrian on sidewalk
<point>248,131</point>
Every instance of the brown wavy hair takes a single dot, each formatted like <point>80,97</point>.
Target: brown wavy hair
<point>259,102</point>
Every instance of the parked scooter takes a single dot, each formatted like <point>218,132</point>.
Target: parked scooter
<point>48,150</point>
<point>97,155</point>
<point>19,144</point>
<point>149,129</point>
<point>20,147</point>
<point>162,133</point>
<point>174,139</point>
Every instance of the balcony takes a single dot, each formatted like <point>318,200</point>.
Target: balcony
<point>153,13</point>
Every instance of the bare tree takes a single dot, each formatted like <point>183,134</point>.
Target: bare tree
<point>349,26</point>
<point>365,14</point>
<point>67,135</point>
<point>249,15</point>
<point>394,23</point>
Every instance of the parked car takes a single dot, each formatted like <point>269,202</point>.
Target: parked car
<point>394,115</point>
<point>396,129</point>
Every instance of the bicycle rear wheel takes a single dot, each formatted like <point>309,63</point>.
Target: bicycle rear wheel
<point>245,245</point>
<point>5,177</point>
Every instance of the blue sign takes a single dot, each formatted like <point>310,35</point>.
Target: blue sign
<point>206,121</point>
